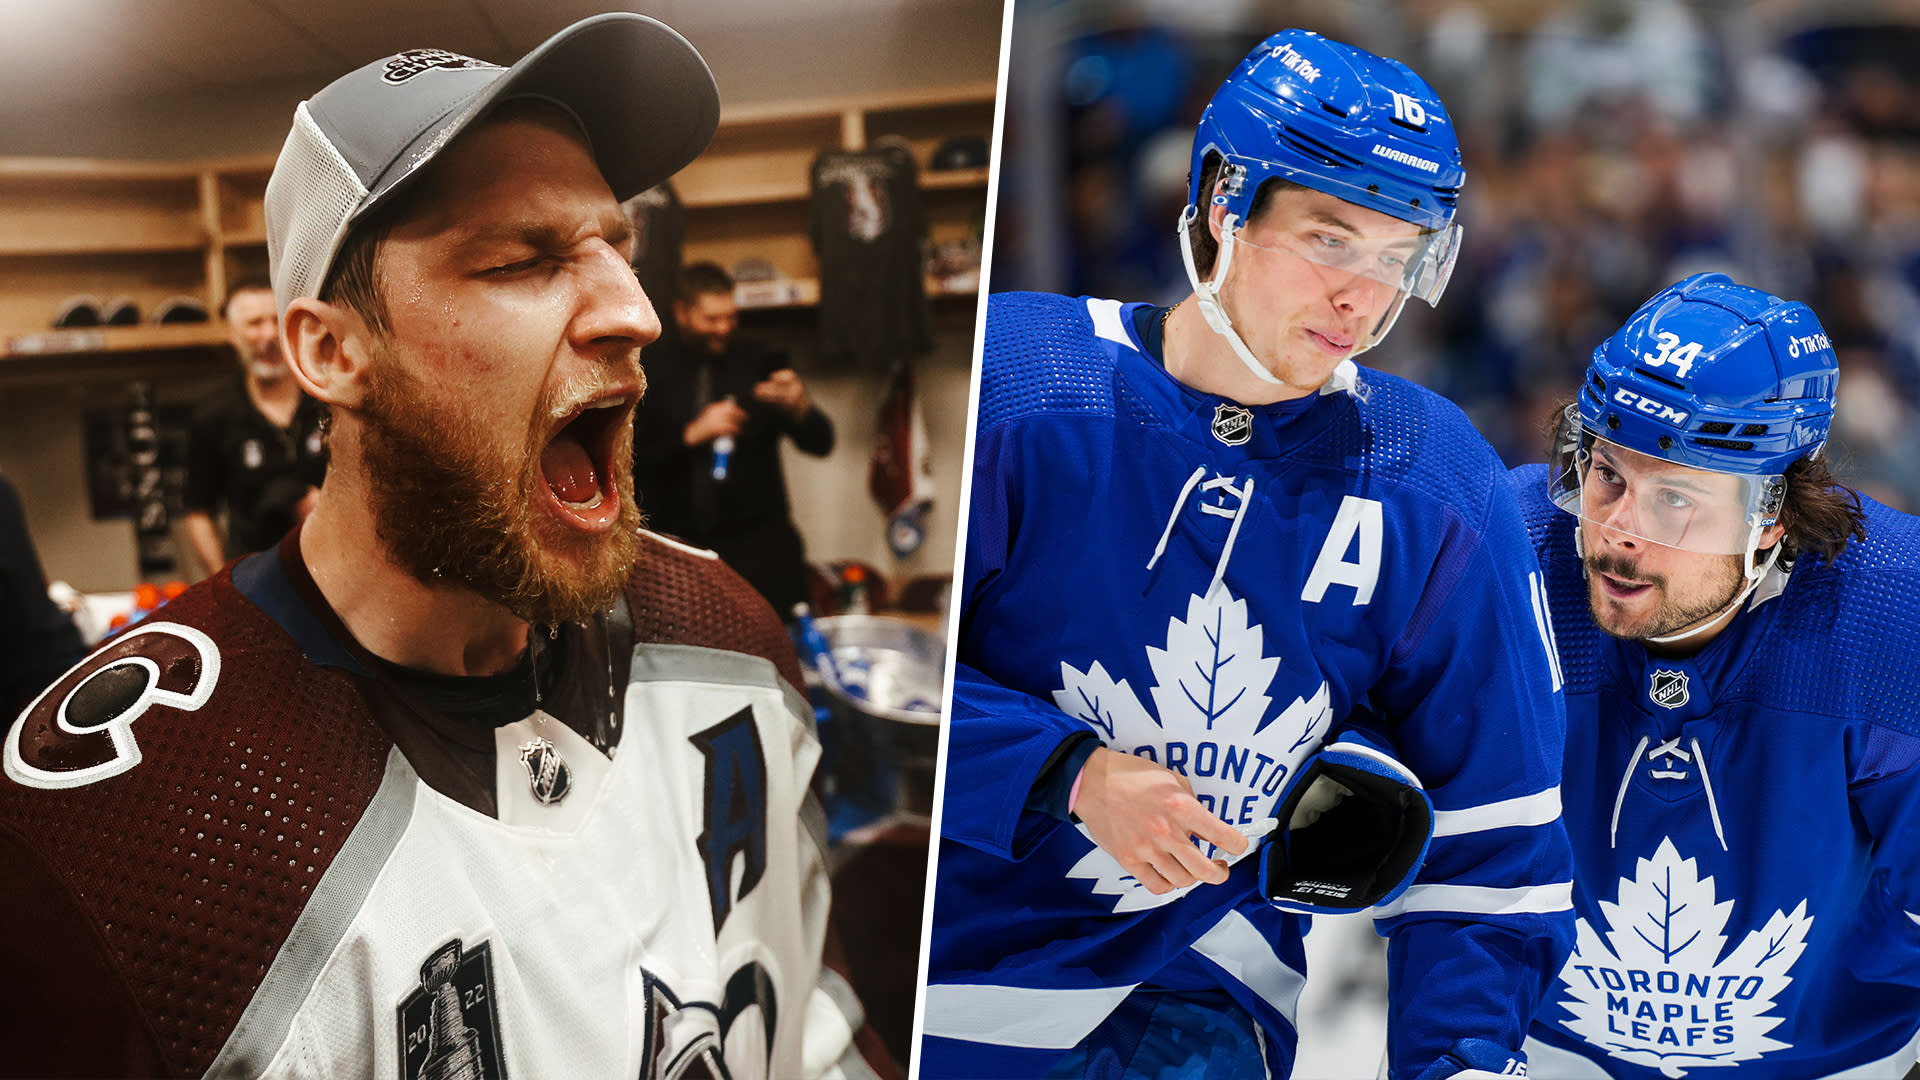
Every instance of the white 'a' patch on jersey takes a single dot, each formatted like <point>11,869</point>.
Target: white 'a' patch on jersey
<point>673,919</point>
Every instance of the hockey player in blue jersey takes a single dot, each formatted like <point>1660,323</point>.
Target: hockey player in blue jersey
<point>1737,634</point>
<point>1248,632</point>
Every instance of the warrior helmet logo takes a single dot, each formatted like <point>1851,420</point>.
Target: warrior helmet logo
<point>1669,689</point>
<point>547,771</point>
<point>1232,424</point>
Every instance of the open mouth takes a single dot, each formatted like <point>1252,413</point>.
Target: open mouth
<point>1620,588</point>
<point>577,463</point>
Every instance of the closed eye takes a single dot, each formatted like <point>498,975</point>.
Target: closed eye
<point>518,266</point>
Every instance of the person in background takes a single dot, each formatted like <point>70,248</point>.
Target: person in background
<point>38,641</point>
<point>706,445</point>
<point>257,449</point>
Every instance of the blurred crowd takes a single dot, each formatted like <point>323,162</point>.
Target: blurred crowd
<point>1612,146</point>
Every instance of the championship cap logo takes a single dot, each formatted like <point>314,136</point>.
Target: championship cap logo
<point>1232,424</point>
<point>1669,689</point>
<point>547,771</point>
<point>406,65</point>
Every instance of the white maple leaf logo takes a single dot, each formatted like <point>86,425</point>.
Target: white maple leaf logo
<point>1210,721</point>
<point>1657,991</point>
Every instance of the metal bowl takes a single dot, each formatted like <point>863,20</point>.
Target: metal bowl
<point>886,699</point>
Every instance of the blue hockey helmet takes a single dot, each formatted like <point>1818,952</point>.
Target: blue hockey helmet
<point>1711,376</point>
<point>1336,119</point>
<point>1344,122</point>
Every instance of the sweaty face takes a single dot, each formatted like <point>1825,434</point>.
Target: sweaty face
<point>497,427</point>
<point>254,331</point>
<point>454,505</point>
<point>1305,289</point>
<point>708,322</point>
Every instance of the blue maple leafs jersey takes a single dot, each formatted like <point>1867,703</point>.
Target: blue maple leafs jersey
<point>1743,822</point>
<point>1215,588</point>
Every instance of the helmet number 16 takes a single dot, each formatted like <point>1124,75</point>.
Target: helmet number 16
<point>1672,352</point>
<point>1408,111</point>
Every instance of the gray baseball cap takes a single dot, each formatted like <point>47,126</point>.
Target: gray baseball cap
<point>641,93</point>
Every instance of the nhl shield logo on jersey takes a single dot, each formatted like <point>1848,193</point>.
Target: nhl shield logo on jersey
<point>547,771</point>
<point>1669,689</point>
<point>1232,424</point>
<point>1661,989</point>
<point>449,1029</point>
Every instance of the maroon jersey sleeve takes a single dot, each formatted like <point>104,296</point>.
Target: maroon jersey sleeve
<point>168,807</point>
<point>680,597</point>
<point>67,1010</point>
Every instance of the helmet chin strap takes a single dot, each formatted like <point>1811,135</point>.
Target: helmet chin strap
<point>1207,293</point>
<point>1753,575</point>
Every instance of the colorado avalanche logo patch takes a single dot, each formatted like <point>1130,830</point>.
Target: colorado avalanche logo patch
<point>1232,424</point>
<point>449,1029</point>
<point>547,771</point>
<point>80,729</point>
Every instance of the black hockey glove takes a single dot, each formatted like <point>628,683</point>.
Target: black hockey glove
<point>1354,827</point>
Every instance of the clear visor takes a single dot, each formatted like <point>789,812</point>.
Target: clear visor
<point>1417,265</point>
<point>1650,499</point>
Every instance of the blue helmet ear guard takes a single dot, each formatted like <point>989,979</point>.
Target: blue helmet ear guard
<point>1333,118</point>
<point>1713,375</point>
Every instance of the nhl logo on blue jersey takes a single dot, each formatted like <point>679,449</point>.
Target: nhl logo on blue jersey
<point>547,771</point>
<point>448,1027</point>
<point>1232,424</point>
<point>1669,689</point>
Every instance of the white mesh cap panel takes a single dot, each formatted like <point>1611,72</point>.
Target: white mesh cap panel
<point>310,197</point>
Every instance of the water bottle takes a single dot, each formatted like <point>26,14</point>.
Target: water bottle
<point>813,645</point>
<point>722,454</point>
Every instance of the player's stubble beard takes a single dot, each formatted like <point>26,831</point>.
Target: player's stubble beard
<point>452,509</point>
<point>1672,614</point>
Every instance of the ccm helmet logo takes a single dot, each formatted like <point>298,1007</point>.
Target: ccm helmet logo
<point>1659,410</point>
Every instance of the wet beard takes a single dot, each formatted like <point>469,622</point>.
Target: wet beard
<point>450,511</point>
<point>1671,615</point>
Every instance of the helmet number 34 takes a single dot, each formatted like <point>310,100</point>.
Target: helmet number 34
<point>1672,352</point>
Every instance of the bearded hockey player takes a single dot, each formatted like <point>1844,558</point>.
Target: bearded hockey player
<point>1738,635</point>
<point>1249,632</point>
<point>469,777</point>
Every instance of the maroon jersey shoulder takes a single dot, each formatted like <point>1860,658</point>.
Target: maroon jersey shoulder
<point>683,596</point>
<point>182,789</point>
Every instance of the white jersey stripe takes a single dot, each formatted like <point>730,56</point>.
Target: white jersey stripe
<point>1539,808</point>
<point>1018,1015</point>
<point>1480,900</point>
<point>1244,953</point>
<point>1106,321</point>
